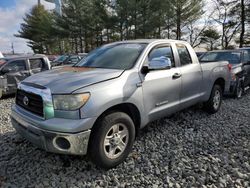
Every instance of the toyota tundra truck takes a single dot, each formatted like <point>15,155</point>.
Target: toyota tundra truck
<point>98,106</point>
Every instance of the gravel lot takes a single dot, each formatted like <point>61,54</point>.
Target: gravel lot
<point>189,149</point>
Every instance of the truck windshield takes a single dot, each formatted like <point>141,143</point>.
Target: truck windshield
<point>116,56</point>
<point>231,57</point>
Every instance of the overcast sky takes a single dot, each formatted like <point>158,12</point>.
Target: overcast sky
<point>11,15</point>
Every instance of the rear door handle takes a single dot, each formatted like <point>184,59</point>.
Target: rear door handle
<point>176,76</point>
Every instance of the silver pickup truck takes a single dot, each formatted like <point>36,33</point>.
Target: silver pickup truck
<point>98,106</point>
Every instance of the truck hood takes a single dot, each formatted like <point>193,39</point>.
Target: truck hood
<point>68,79</point>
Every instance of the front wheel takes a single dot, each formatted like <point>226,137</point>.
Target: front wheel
<point>111,140</point>
<point>214,103</point>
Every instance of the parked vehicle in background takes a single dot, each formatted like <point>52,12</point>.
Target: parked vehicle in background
<point>240,68</point>
<point>52,57</point>
<point>199,54</point>
<point>98,105</point>
<point>66,60</point>
<point>83,55</point>
<point>15,69</point>
<point>246,64</point>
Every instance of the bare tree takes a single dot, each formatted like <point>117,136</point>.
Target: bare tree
<point>224,16</point>
<point>196,29</point>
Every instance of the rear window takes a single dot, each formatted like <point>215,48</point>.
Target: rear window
<point>231,57</point>
<point>36,64</point>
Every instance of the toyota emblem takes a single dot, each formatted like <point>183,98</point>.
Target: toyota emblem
<point>26,101</point>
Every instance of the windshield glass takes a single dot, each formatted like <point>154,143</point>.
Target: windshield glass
<point>61,58</point>
<point>231,57</point>
<point>115,56</point>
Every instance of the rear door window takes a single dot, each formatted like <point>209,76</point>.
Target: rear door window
<point>36,64</point>
<point>185,58</point>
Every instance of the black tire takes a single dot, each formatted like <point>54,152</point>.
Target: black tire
<point>238,90</point>
<point>212,106</point>
<point>98,152</point>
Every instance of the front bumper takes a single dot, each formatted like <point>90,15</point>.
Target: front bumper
<point>51,141</point>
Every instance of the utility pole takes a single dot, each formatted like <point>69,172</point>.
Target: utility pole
<point>12,47</point>
<point>38,2</point>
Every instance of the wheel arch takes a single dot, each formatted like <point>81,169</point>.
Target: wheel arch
<point>221,82</point>
<point>130,109</point>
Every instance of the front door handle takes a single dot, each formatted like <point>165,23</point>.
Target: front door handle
<point>176,76</point>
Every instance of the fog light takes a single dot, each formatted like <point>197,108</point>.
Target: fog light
<point>62,143</point>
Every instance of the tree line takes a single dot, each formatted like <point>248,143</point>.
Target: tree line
<point>87,24</point>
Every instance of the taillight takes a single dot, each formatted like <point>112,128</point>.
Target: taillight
<point>229,67</point>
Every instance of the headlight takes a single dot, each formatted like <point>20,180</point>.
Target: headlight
<point>70,102</point>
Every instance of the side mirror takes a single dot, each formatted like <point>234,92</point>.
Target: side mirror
<point>160,63</point>
<point>6,70</point>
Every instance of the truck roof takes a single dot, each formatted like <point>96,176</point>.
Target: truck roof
<point>151,41</point>
<point>24,57</point>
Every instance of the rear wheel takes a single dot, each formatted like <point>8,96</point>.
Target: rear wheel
<point>112,140</point>
<point>214,103</point>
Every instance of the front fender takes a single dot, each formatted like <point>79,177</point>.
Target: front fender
<point>111,93</point>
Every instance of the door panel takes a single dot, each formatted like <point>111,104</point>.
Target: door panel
<point>191,84</point>
<point>161,93</point>
<point>161,88</point>
<point>191,78</point>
